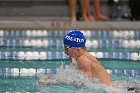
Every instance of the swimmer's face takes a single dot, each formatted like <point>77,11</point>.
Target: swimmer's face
<point>66,47</point>
<point>70,51</point>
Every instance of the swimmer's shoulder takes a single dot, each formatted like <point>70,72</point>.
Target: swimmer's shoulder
<point>92,59</point>
<point>82,60</point>
<point>86,58</point>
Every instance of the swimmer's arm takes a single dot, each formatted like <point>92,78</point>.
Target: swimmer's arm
<point>48,80</point>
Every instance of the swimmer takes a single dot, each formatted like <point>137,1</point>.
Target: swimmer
<point>74,44</point>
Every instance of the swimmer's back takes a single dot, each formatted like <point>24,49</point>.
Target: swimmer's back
<point>96,69</point>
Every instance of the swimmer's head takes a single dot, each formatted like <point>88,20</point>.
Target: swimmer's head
<point>75,38</point>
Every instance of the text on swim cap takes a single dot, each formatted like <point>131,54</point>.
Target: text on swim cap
<point>74,39</point>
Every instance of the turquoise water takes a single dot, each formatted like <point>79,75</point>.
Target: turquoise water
<point>21,75</point>
<point>24,82</point>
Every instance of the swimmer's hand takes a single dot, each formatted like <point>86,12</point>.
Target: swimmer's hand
<point>42,81</point>
<point>46,80</point>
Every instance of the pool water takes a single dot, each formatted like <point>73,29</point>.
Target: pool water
<point>32,54</point>
<point>21,82</point>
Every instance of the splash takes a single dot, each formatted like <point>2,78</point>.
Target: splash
<point>71,76</point>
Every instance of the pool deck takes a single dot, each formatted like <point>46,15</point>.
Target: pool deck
<point>64,23</point>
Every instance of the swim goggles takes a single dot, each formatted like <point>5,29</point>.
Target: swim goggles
<point>67,47</point>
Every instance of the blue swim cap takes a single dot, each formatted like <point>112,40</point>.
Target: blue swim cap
<point>75,38</point>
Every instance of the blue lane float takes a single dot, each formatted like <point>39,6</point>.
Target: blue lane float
<point>35,55</point>
<point>34,71</point>
<point>128,73</point>
<point>119,34</point>
<point>59,43</point>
